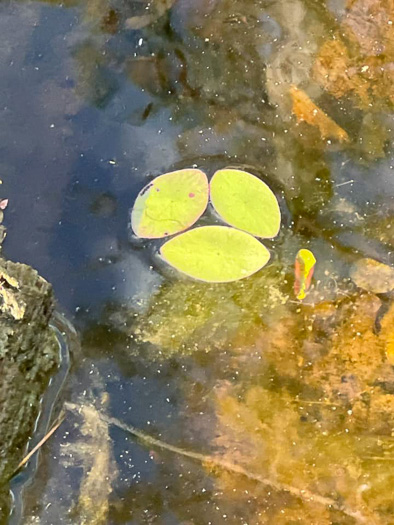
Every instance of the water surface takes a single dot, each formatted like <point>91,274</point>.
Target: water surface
<point>97,98</point>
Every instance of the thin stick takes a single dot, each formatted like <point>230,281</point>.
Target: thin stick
<point>377,458</point>
<point>40,443</point>
<point>343,183</point>
<point>305,495</point>
<point>307,402</point>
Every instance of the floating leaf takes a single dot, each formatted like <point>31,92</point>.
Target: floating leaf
<point>215,254</point>
<point>306,111</point>
<point>304,267</point>
<point>170,203</point>
<point>246,202</point>
<point>373,276</point>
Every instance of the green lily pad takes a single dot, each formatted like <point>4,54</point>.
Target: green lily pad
<point>215,254</point>
<point>170,204</point>
<point>246,202</point>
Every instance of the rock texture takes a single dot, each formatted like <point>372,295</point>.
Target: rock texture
<point>29,352</point>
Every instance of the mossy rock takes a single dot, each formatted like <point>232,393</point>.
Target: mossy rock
<point>29,352</point>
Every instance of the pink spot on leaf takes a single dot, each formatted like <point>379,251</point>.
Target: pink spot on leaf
<point>191,195</point>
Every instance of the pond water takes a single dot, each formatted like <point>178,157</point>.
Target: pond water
<point>280,411</point>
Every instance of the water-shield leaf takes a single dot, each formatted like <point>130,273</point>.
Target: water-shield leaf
<point>246,202</point>
<point>170,204</point>
<point>304,266</point>
<point>215,254</point>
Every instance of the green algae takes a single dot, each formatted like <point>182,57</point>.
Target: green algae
<point>186,316</point>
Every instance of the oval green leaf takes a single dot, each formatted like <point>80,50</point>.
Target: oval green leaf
<point>170,204</point>
<point>215,254</point>
<point>246,202</point>
<point>373,276</point>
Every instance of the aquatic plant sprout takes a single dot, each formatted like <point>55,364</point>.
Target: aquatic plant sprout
<point>173,202</point>
<point>304,266</point>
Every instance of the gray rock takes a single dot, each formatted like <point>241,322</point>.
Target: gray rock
<point>29,352</point>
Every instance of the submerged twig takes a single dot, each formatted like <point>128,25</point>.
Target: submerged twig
<point>310,402</point>
<point>377,458</point>
<point>344,183</point>
<point>305,495</point>
<point>40,443</point>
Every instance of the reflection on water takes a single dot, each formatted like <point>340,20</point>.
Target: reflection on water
<point>289,404</point>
